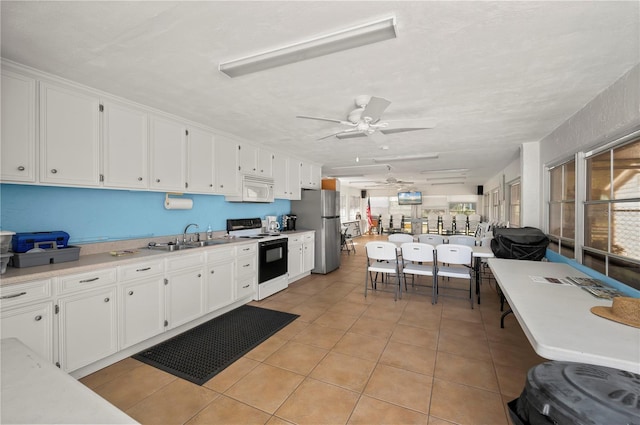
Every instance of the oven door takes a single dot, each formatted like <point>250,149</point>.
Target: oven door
<point>272,259</point>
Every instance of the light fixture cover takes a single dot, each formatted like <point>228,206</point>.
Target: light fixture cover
<point>361,35</point>
<point>433,155</point>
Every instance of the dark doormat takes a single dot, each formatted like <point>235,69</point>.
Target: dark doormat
<point>199,354</point>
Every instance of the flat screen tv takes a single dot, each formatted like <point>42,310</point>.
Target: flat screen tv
<point>409,198</point>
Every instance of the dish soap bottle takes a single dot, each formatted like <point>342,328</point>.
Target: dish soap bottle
<point>209,232</point>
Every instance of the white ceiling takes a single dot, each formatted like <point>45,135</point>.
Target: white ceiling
<point>492,75</point>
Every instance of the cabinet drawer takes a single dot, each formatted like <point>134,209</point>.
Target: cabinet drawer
<point>78,282</point>
<point>221,254</point>
<point>247,265</point>
<point>308,237</point>
<point>247,249</point>
<point>138,270</point>
<point>185,261</point>
<point>245,287</point>
<point>24,293</point>
<point>294,239</point>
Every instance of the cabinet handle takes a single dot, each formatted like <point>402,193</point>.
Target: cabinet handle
<point>157,180</point>
<point>53,171</point>
<point>213,271</point>
<point>21,168</point>
<point>247,265</point>
<point>246,249</point>
<point>221,185</point>
<point>106,300</point>
<point>4,297</point>
<point>246,286</point>
<point>211,185</point>
<point>89,280</point>
<point>38,318</point>
<point>199,275</point>
<point>139,179</point>
<point>143,270</point>
<point>130,292</point>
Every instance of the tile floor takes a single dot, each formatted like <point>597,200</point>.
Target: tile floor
<point>347,360</point>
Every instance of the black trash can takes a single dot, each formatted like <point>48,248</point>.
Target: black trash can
<point>570,393</point>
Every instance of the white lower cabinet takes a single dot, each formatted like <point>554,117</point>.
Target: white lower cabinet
<point>184,296</point>
<point>301,255</point>
<point>88,327</point>
<point>220,279</point>
<point>33,325</point>
<point>142,310</point>
<point>247,271</point>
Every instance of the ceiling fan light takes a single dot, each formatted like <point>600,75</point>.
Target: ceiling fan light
<point>373,32</point>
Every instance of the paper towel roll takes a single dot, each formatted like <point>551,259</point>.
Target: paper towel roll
<point>178,203</point>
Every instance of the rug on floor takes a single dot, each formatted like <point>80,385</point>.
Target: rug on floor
<point>198,354</point>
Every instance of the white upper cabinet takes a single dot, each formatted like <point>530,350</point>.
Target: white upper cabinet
<point>310,176</point>
<point>69,136</point>
<point>167,154</point>
<point>280,176</point>
<point>265,163</point>
<point>18,148</point>
<point>248,159</point>
<point>295,167</point>
<point>125,146</point>
<point>200,159</point>
<point>226,166</point>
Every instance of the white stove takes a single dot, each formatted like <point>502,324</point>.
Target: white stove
<point>273,255</point>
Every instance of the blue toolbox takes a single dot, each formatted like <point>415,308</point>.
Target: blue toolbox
<point>23,242</point>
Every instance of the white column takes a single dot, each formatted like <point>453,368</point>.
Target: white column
<point>531,197</point>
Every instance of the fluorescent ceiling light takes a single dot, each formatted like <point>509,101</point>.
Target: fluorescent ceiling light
<point>441,183</point>
<point>451,170</point>
<point>342,167</point>
<point>362,35</point>
<point>407,158</point>
<point>446,178</point>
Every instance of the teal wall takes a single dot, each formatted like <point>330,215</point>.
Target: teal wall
<point>99,215</point>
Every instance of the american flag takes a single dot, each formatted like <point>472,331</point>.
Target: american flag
<point>369,219</point>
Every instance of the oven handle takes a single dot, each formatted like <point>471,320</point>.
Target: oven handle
<point>274,242</point>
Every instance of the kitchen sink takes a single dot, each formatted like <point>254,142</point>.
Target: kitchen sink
<point>179,247</point>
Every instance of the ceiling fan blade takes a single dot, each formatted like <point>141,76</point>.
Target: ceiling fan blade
<point>324,119</point>
<point>330,135</point>
<point>400,130</point>
<point>350,134</point>
<point>375,108</point>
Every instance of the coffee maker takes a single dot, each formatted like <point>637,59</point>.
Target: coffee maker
<point>289,222</point>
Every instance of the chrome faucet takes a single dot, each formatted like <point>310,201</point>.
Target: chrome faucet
<point>184,234</point>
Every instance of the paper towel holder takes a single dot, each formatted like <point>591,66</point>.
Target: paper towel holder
<point>177,203</point>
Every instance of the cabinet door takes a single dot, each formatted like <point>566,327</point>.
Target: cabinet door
<point>265,163</point>
<point>295,168</point>
<point>281,176</point>
<point>125,146</point>
<point>184,296</point>
<point>33,325</point>
<point>248,159</point>
<point>308,253</point>
<point>69,137</point>
<point>295,259</point>
<point>220,279</point>
<point>200,160</point>
<point>226,160</point>
<point>88,329</point>
<point>167,154</point>
<point>305,176</point>
<point>316,177</point>
<point>142,314</point>
<point>18,148</point>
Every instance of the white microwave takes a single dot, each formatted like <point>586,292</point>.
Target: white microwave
<point>254,189</point>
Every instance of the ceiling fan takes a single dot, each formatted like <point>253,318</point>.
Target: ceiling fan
<point>389,181</point>
<point>366,120</point>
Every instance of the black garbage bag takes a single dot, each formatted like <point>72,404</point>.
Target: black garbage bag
<point>527,243</point>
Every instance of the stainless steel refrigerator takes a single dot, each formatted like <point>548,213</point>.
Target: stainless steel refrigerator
<point>319,210</point>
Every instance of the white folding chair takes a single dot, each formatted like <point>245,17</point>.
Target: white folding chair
<point>432,223</point>
<point>434,240</point>
<point>458,260</point>
<point>461,224</point>
<point>418,260</point>
<point>397,222</point>
<point>462,240</point>
<point>447,223</point>
<point>400,237</point>
<point>474,221</point>
<point>382,257</point>
<point>385,223</point>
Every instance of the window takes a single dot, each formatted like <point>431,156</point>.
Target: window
<point>562,203</point>
<point>354,207</point>
<point>495,205</point>
<point>612,213</point>
<point>514,204</point>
